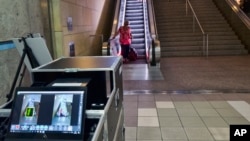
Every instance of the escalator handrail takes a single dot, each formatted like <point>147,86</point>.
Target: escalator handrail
<point>146,30</point>
<point>119,16</point>
<point>155,43</point>
<point>152,23</point>
<point>242,15</point>
<point>116,17</point>
<point>118,21</point>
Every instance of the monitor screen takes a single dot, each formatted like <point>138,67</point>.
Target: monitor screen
<point>48,113</point>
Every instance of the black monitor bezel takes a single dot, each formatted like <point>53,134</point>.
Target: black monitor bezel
<point>49,135</point>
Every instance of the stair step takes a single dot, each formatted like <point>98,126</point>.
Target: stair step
<point>189,29</point>
<point>184,26</point>
<point>188,25</point>
<point>163,33</point>
<point>200,42</point>
<point>175,29</point>
<point>200,47</point>
<point>199,53</point>
<point>170,38</point>
<point>191,23</point>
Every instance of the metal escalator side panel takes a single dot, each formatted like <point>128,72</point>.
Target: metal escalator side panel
<point>155,48</point>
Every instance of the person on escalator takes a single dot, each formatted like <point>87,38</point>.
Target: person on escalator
<point>125,39</point>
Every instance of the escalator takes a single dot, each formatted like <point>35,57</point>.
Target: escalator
<point>140,15</point>
<point>135,15</point>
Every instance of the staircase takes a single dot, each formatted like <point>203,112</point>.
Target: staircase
<point>176,34</point>
<point>134,13</point>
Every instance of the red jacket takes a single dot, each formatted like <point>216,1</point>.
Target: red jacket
<point>125,35</point>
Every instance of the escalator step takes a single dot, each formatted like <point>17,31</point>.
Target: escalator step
<point>136,35</point>
<point>134,18</point>
<point>137,31</point>
<point>134,11</point>
<point>137,26</point>
<point>134,14</point>
<point>136,22</point>
<point>138,41</point>
<point>138,46</point>
<point>134,7</point>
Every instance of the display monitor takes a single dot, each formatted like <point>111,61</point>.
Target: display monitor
<point>48,113</point>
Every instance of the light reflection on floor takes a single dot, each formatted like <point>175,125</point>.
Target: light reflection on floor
<point>141,72</point>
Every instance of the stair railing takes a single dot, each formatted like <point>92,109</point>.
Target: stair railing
<point>154,51</point>
<point>204,35</point>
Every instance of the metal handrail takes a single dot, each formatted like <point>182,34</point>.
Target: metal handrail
<point>205,35</point>
<point>194,14</point>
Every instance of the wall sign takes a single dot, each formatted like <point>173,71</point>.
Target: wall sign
<point>70,23</point>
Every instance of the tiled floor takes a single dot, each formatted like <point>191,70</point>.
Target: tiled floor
<point>198,106</point>
<point>149,118</point>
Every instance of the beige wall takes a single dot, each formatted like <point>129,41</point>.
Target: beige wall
<point>17,19</point>
<point>20,17</point>
<point>88,18</point>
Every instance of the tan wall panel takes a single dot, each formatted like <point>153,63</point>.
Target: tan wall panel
<point>86,16</point>
<point>70,1</point>
<point>81,2</point>
<point>56,15</point>
<point>66,40</point>
<point>58,36</point>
